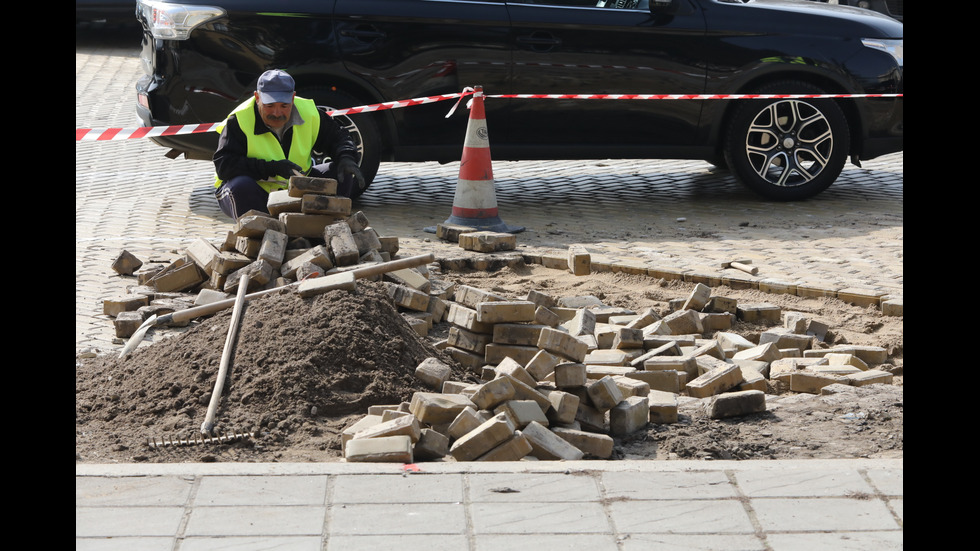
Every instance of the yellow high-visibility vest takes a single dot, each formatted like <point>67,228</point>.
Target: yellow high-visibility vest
<point>265,146</point>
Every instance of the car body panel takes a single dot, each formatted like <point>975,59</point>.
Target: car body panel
<point>892,8</point>
<point>402,52</point>
<point>593,50</point>
<point>105,11</point>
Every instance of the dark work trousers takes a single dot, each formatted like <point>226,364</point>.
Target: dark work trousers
<point>242,193</point>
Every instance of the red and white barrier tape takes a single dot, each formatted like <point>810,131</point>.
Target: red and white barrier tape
<point>394,104</point>
<point>113,134</point>
<point>690,96</point>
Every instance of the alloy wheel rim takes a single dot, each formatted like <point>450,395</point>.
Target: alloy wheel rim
<point>347,124</point>
<point>789,143</point>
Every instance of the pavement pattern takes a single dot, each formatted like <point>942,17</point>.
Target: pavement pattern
<point>671,215</point>
<point>674,216</point>
<point>599,506</point>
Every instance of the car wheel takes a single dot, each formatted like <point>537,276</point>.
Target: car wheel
<point>362,129</point>
<point>787,149</point>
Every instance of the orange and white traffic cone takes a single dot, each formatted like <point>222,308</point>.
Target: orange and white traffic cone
<point>475,202</point>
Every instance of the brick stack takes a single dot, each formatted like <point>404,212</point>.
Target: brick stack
<point>560,378</point>
<point>309,231</point>
<point>473,239</point>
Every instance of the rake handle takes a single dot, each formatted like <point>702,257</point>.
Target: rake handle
<point>227,354</point>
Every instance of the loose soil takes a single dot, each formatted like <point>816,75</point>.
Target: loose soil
<point>304,369</point>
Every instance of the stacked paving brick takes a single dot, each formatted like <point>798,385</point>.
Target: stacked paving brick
<point>561,378</point>
<point>309,231</point>
<point>498,250</point>
<point>473,239</point>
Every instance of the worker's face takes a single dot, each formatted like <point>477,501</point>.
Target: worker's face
<point>274,115</point>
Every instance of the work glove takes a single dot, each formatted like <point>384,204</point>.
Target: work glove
<point>284,168</point>
<point>350,173</point>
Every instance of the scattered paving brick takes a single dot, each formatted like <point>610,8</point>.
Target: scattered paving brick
<point>559,376</point>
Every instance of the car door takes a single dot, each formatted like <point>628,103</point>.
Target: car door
<point>407,49</point>
<point>577,47</point>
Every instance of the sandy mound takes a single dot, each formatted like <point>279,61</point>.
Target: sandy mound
<point>301,366</point>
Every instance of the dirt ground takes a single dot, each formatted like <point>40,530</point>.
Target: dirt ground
<point>305,369</point>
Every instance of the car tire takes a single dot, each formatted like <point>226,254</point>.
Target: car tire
<point>787,149</point>
<point>367,137</point>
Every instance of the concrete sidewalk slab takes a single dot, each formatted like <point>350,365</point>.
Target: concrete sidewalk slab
<point>765,505</point>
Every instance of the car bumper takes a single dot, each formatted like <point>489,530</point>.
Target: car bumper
<point>192,146</point>
<point>882,146</point>
<point>886,128</point>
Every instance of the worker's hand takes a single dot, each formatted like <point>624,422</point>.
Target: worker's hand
<point>285,168</point>
<point>348,170</point>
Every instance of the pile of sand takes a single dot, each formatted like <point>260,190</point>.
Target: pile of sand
<point>301,366</point>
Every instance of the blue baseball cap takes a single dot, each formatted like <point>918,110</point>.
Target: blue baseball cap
<point>276,86</point>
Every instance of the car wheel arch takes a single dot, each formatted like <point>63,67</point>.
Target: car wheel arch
<point>720,129</point>
<point>364,95</point>
<point>368,138</point>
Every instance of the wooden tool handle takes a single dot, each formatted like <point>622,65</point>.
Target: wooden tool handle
<point>188,314</point>
<point>231,340</point>
<point>745,268</point>
<point>391,266</point>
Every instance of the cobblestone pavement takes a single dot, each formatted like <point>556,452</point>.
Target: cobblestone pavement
<point>678,216</point>
<point>667,215</point>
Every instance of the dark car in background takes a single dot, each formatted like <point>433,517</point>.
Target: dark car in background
<point>105,11</point>
<point>203,59</point>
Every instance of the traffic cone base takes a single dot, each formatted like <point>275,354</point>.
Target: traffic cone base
<point>475,203</point>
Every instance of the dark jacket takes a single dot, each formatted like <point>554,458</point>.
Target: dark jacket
<point>230,158</point>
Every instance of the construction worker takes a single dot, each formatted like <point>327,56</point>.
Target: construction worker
<point>270,137</point>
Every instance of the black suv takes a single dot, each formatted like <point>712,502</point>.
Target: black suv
<point>202,59</point>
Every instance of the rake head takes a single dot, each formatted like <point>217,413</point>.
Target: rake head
<point>198,439</point>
